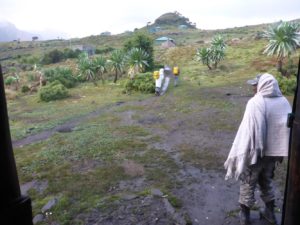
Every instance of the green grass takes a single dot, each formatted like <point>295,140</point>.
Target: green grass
<point>29,116</point>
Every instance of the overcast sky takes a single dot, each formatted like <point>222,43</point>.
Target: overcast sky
<point>79,18</point>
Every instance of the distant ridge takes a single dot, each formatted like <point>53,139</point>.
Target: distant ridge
<point>9,32</point>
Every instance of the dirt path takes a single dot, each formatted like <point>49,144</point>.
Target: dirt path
<point>207,198</point>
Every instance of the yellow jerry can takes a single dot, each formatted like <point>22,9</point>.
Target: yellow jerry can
<point>175,70</point>
<point>156,74</point>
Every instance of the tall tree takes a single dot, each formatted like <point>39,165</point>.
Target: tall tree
<point>99,67</point>
<point>283,41</point>
<point>204,55</point>
<point>144,42</point>
<point>136,59</point>
<point>86,68</point>
<point>116,62</point>
<point>218,47</point>
<point>214,54</point>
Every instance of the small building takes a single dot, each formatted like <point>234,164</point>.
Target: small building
<point>182,27</point>
<point>154,29</point>
<point>168,44</point>
<point>106,33</point>
<point>161,40</point>
<point>90,50</point>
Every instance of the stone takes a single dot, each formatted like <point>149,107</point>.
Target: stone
<point>38,218</point>
<point>129,197</point>
<point>156,192</point>
<point>49,205</point>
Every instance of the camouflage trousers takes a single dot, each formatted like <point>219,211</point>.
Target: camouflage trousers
<point>261,173</point>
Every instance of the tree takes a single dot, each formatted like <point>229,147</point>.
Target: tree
<point>283,41</point>
<point>99,67</point>
<point>136,58</point>
<point>218,47</point>
<point>214,54</point>
<point>116,62</point>
<point>53,56</point>
<point>144,42</point>
<point>86,68</point>
<point>204,55</point>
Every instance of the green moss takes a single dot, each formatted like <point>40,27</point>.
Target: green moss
<point>174,201</point>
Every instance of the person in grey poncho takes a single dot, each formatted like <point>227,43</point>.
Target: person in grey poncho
<point>261,141</point>
<point>162,83</point>
<point>167,77</point>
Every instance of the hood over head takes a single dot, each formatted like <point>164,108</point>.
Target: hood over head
<point>268,86</point>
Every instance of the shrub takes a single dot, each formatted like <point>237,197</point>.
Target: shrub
<point>10,80</point>
<point>29,59</point>
<point>142,82</point>
<point>104,50</point>
<point>71,54</point>
<point>61,74</point>
<point>287,84</point>
<point>53,56</point>
<point>53,91</point>
<point>25,89</point>
<point>32,77</point>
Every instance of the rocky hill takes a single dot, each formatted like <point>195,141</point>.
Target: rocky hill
<point>173,19</point>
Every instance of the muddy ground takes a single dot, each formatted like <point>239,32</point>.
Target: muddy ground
<point>197,136</point>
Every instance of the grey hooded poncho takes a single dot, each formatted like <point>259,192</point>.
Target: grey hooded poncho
<point>262,130</point>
